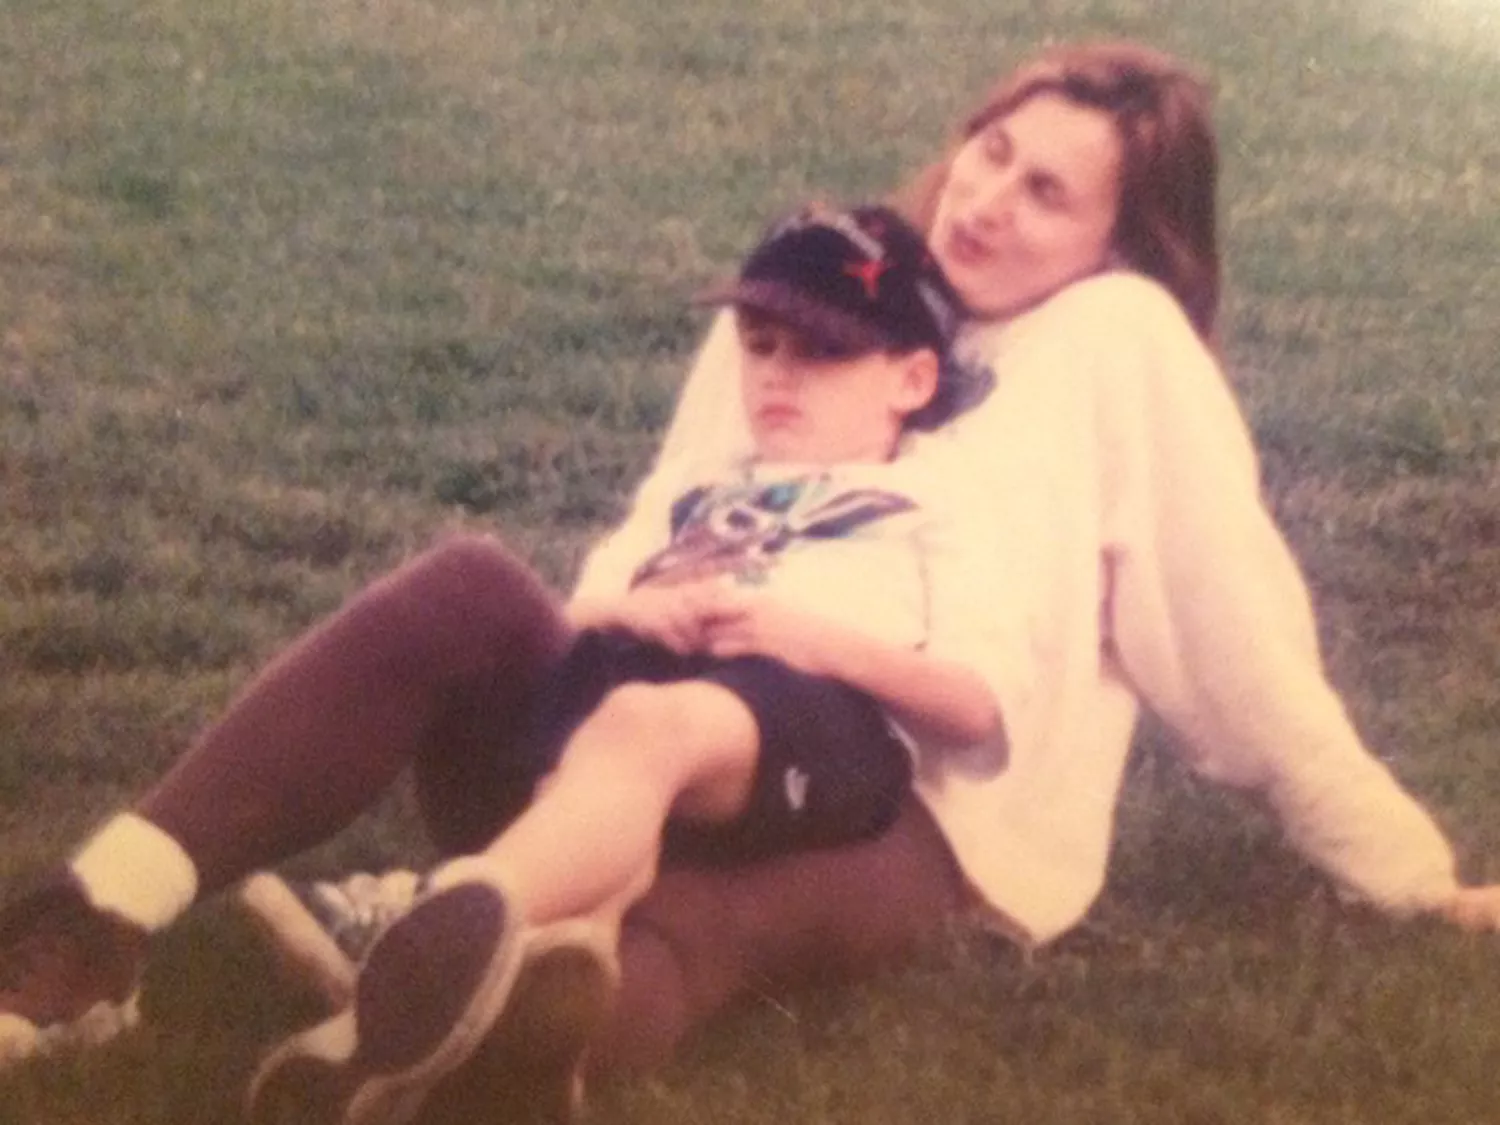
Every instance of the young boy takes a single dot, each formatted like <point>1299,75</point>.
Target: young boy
<point>754,683</point>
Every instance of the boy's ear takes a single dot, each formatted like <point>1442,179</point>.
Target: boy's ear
<point>919,380</point>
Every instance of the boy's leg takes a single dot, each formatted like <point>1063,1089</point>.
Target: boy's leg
<point>593,834</point>
<point>435,983</point>
<point>423,667</point>
<point>704,939</point>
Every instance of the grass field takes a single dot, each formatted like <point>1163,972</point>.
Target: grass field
<point>287,288</point>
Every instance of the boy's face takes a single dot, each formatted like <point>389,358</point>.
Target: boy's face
<point>806,406</point>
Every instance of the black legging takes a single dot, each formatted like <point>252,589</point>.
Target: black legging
<point>434,667</point>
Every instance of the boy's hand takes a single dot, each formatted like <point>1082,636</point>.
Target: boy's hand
<point>756,625</point>
<point>676,616</point>
<point>933,696</point>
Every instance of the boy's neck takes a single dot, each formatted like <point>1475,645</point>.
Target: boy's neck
<point>756,458</point>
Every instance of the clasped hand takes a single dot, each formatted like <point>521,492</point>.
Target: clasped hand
<point>709,617</point>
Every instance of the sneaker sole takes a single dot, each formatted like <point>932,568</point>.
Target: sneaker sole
<point>304,1078</point>
<point>530,1066</point>
<point>429,992</point>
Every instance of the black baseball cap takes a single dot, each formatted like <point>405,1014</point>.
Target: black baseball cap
<point>854,281</point>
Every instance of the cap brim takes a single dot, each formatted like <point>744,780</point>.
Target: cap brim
<point>832,328</point>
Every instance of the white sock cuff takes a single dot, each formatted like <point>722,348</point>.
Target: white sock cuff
<point>132,868</point>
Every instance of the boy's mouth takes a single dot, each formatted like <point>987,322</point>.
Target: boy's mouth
<point>777,414</point>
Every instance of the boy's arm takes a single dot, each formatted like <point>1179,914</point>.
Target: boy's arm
<point>934,697</point>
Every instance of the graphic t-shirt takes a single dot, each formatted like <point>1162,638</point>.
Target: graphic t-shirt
<point>867,545</point>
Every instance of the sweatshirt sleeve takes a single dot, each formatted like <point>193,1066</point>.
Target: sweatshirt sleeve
<point>1209,616</point>
<point>707,435</point>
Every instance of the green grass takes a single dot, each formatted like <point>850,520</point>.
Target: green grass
<point>286,289</point>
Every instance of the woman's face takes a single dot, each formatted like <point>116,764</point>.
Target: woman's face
<point>1029,205</point>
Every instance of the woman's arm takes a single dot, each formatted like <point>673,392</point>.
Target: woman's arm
<point>1208,614</point>
<point>933,697</point>
<point>707,435</point>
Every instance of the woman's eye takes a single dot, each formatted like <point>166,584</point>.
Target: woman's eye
<point>1047,191</point>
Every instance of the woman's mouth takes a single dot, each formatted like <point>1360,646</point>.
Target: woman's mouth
<point>964,248</point>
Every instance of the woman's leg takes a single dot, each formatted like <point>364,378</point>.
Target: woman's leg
<point>430,666</point>
<point>703,939</point>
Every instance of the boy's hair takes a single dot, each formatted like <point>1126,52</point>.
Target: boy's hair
<point>852,282</point>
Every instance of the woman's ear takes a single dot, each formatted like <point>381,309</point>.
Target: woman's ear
<point>918,380</point>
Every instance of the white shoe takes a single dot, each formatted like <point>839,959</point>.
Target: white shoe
<point>322,931</point>
<point>430,990</point>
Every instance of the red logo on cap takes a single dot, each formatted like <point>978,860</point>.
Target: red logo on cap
<point>868,274</point>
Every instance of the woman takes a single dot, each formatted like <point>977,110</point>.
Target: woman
<point>1146,572</point>
<point>1075,215</point>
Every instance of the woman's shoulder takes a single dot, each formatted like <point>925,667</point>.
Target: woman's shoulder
<point>1119,298</point>
<point>1115,310</point>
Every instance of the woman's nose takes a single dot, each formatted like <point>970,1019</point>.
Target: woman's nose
<point>994,198</point>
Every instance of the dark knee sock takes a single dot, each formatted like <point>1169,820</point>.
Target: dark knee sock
<point>327,726</point>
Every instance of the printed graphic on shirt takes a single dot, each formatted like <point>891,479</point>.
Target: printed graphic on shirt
<point>742,529</point>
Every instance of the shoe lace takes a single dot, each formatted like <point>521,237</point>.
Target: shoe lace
<point>357,909</point>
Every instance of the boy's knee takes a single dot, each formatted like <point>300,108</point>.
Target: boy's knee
<point>686,712</point>
<point>635,704</point>
<point>630,719</point>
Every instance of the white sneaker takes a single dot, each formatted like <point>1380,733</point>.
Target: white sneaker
<point>528,1066</point>
<point>322,931</point>
<point>431,989</point>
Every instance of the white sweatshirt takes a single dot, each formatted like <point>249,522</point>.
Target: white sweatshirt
<point>1139,567</point>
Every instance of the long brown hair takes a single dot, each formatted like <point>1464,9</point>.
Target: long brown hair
<point>1166,227</point>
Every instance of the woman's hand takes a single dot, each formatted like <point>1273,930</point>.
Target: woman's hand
<point>676,616</point>
<point>1474,908</point>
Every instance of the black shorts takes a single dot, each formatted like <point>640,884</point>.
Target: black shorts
<point>830,768</point>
